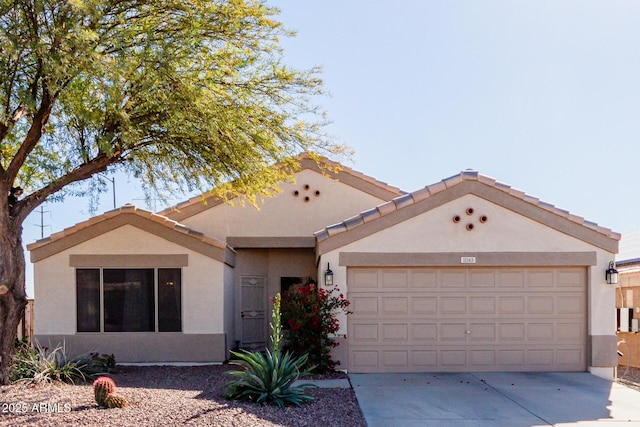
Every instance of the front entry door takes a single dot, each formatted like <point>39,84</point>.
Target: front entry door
<point>252,312</point>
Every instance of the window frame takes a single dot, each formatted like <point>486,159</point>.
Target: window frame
<point>156,305</point>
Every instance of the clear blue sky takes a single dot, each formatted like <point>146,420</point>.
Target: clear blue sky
<point>541,95</point>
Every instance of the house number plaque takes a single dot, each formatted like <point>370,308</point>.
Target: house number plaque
<point>467,260</point>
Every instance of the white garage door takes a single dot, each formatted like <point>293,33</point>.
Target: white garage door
<point>467,319</point>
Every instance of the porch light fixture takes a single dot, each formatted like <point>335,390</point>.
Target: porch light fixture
<point>328,276</point>
<point>611,274</point>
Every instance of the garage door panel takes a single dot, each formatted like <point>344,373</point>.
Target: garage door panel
<point>395,333</point>
<point>511,305</point>
<point>424,332</point>
<point>453,358</point>
<point>395,359</point>
<point>540,331</point>
<point>572,332</point>
<point>441,319</point>
<point>363,279</point>
<point>395,305</point>
<point>453,332</point>
<point>482,332</point>
<point>420,278</point>
<point>364,305</point>
<point>482,305</point>
<point>542,304</point>
<point>511,332</point>
<point>395,278</point>
<point>571,278</point>
<point>571,304</point>
<point>482,358</point>
<point>540,358</point>
<point>448,279</point>
<point>424,359</point>
<point>510,278</point>
<point>453,305</point>
<point>424,305</point>
<point>569,357</point>
<point>364,333</point>
<point>540,279</point>
<point>511,359</point>
<point>482,279</point>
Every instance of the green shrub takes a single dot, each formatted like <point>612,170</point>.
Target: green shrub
<point>39,365</point>
<point>310,317</point>
<point>269,377</point>
<point>95,364</point>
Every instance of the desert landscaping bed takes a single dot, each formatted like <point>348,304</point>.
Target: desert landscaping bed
<point>161,396</point>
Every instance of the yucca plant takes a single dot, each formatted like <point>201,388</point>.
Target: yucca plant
<point>41,365</point>
<point>269,377</point>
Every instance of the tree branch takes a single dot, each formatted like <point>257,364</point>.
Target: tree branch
<point>96,165</point>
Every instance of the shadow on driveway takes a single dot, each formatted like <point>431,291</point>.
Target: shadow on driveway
<point>495,399</point>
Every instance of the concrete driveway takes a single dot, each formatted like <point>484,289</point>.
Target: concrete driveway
<point>495,399</point>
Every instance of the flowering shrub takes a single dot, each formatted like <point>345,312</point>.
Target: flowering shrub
<point>310,322</point>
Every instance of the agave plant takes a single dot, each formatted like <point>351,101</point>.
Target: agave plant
<point>269,377</point>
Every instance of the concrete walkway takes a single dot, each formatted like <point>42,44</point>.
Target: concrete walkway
<point>495,399</point>
<point>334,383</point>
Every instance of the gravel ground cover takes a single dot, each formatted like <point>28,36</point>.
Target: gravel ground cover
<point>629,377</point>
<point>169,396</point>
<point>191,396</point>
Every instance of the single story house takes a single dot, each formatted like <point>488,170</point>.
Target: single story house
<point>467,274</point>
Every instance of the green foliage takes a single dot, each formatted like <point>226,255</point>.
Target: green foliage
<point>95,364</point>
<point>310,315</point>
<point>269,377</point>
<point>103,387</point>
<point>39,365</point>
<point>115,400</point>
<point>276,325</point>
<point>185,94</point>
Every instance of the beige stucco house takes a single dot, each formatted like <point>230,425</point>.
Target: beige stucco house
<point>467,274</point>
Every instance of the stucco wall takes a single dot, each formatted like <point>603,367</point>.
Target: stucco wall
<point>271,264</point>
<point>285,214</point>
<point>202,282</point>
<point>503,231</point>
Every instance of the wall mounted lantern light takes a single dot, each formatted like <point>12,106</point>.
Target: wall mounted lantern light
<point>328,276</point>
<point>611,274</point>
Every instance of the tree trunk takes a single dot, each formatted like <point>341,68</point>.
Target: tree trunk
<point>13,298</point>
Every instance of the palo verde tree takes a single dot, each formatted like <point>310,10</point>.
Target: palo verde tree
<point>183,94</point>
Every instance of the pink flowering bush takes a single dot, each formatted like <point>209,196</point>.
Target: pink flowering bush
<point>310,323</point>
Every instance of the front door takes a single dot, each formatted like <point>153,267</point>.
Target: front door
<point>252,312</point>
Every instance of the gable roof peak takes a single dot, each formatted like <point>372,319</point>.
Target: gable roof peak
<point>306,161</point>
<point>128,209</point>
<point>429,191</point>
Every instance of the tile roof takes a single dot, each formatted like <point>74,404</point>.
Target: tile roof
<point>333,169</point>
<point>430,190</point>
<point>132,210</point>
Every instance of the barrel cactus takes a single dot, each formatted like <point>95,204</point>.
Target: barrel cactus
<point>115,400</point>
<point>102,387</point>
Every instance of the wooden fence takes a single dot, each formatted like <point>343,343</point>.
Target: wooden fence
<point>25,328</point>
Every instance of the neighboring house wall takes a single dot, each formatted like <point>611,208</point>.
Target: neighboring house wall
<point>286,214</point>
<point>505,237</point>
<point>203,308</point>
<point>628,296</point>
